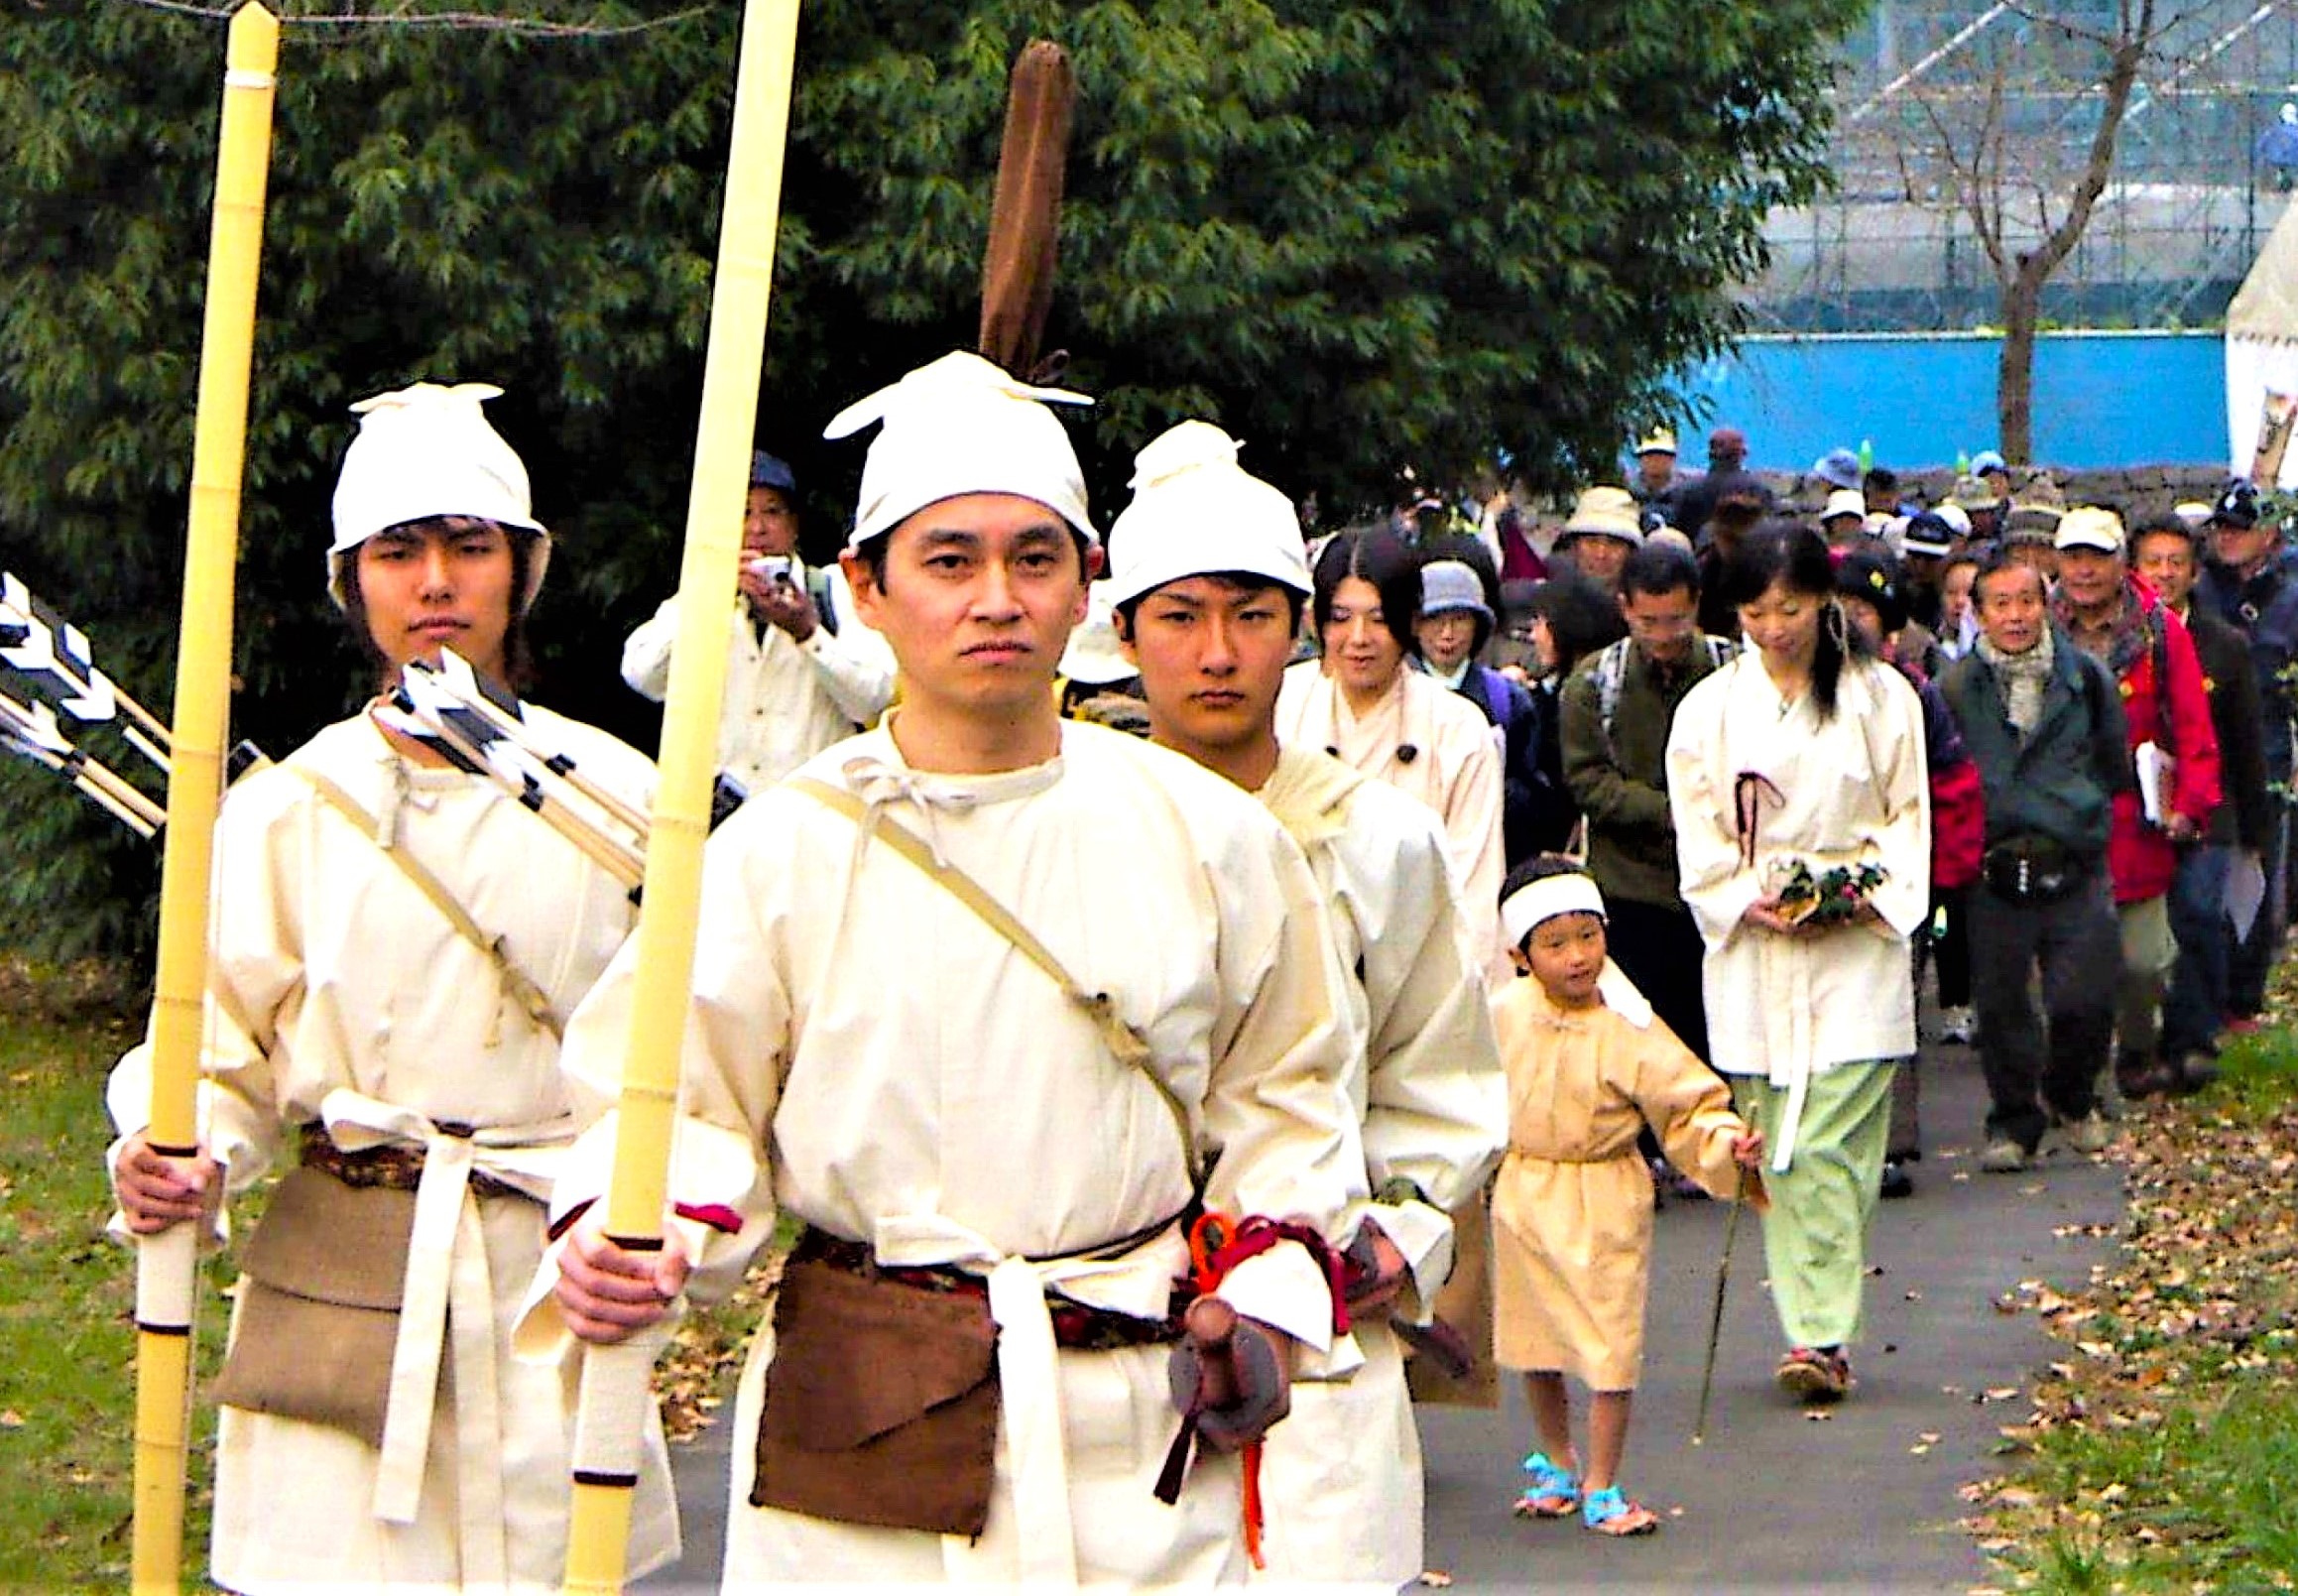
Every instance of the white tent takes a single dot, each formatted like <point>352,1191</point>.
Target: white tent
<point>2262,362</point>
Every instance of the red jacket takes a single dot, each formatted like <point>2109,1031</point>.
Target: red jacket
<point>2140,857</point>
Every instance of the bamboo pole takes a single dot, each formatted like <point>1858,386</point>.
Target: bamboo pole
<point>608,1431</point>
<point>168,1264</point>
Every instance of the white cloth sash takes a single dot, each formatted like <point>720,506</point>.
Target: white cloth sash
<point>448,1307</point>
<point>1136,1283</point>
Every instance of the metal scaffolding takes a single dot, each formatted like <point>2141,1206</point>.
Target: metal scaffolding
<point>2197,181</point>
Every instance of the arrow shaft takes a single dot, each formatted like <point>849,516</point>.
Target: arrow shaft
<point>601,851</point>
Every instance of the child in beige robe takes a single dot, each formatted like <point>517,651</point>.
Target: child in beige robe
<point>1587,1064</point>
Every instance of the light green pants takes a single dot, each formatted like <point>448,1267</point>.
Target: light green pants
<point>1815,1236</point>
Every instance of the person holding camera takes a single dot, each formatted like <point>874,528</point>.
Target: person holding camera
<point>804,670</point>
<point>2044,721</point>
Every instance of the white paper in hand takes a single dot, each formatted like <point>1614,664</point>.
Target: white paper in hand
<point>2148,758</point>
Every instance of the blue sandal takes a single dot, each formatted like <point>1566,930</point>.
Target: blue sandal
<point>1609,1513</point>
<point>1553,1493</point>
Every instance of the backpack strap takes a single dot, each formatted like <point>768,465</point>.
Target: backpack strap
<point>1611,671</point>
<point>516,983</point>
<point>819,589</point>
<point>1129,1045</point>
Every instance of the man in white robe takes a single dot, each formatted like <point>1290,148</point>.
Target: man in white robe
<point>352,1026</point>
<point>1208,578</point>
<point>869,1053</point>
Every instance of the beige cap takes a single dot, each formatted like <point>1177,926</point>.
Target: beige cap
<point>1659,441</point>
<point>1604,513</point>
<point>429,450</point>
<point>961,425</point>
<point>2089,527</point>
<point>1196,511</point>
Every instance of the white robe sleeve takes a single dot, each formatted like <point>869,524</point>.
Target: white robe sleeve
<point>1436,1096</point>
<point>1717,887</point>
<point>647,654</point>
<point>1274,1109</point>
<point>256,973</point>
<point>737,1042</point>
<point>1893,728</point>
<point>856,667</point>
<point>1472,830</point>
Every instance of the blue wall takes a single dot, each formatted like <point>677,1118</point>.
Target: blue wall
<point>2102,399</point>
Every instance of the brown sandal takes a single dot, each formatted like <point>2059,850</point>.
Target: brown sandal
<point>1815,1376</point>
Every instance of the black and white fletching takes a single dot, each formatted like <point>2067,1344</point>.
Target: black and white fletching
<point>47,651</point>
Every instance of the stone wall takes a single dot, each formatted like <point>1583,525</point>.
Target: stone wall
<point>2141,492</point>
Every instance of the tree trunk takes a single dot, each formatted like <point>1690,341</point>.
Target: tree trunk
<point>2014,378</point>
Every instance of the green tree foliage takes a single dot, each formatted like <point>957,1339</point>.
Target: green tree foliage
<point>1360,235</point>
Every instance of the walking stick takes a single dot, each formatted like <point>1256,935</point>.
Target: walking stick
<point>610,1425</point>
<point>167,1264</point>
<point>1716,1320</point>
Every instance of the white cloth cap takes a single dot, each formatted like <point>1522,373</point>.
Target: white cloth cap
<point>957,426</point>
<point>429,450</point>
<point>1196,511</point>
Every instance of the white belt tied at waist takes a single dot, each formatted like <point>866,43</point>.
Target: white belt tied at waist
<point>1138,1282</point>
<point>449,1293</point>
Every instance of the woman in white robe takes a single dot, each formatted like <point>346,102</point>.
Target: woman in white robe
<point>1366,702</point>
<point>348,1019</point>
<point>1805,751</point>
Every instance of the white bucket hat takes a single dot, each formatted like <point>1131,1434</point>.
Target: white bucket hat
<point>1195,512</point>
<point>429,450</point>
<point>961,425</point>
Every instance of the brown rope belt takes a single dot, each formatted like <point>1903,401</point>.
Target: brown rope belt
<point>394,1169</point>
<point>1076,1328</point>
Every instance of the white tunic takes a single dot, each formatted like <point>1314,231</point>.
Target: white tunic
<point>341,993</point>
<point>1342,1477</point>
<point>785,701</point>
<point>865,1052</point>
<point>1848,790</point>
<point>1429,741</point>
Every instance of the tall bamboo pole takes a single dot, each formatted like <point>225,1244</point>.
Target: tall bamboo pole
<point>610,1425</point>
<point>167,1264</point>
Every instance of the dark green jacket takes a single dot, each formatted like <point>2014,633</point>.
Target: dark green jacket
<point>1620,782</point>
<point>2060,783</point>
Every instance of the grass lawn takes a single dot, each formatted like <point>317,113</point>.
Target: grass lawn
<point>67,1302</point>
<point>2162,1455</point>
<point>67,1306</point>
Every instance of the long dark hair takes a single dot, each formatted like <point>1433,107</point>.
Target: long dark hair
<point>517,654</point>
<point>1376,555</point>
<point>1582,618</point>
<point>1794,555</point>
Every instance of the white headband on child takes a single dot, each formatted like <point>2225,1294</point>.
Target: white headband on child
<point>1550,896</point>
<point>1545,899</point>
